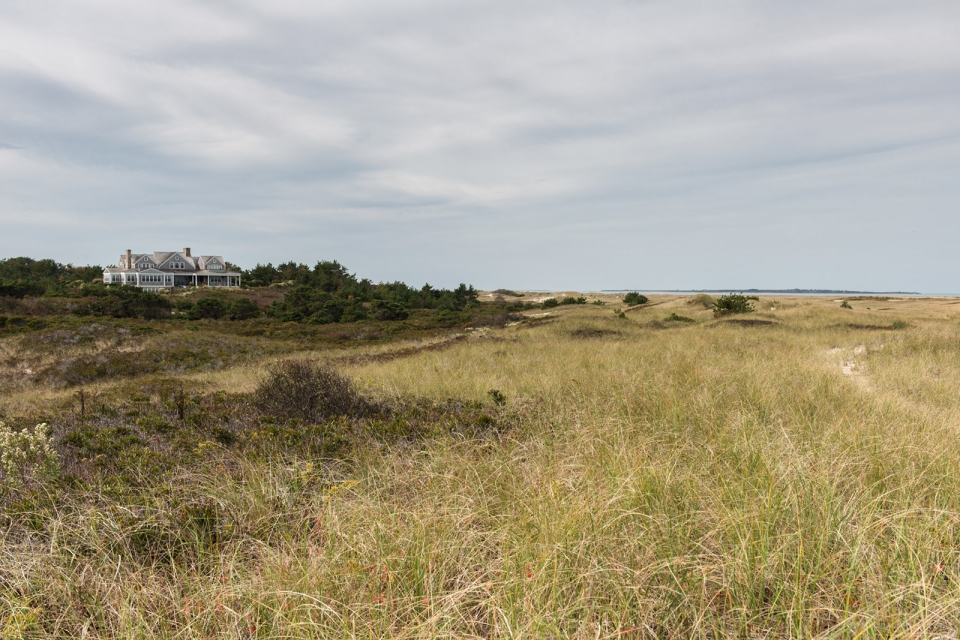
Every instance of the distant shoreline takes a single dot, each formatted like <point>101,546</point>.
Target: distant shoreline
<point>808,292</point>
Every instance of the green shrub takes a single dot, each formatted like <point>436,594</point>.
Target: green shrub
<point>211,307</point>
<point>97,290</point>
<point>497,397</point>
<point>733,303</point>
<point>572,300</point>
<point>845,305</point>
<point>243,309</point>
<point>673,317</point>
<point>383,310</point>
<point>353,312</point>
<point>634,298</point>
<point>550,303</point>
<point>21,289</point>
<point>126,302</point>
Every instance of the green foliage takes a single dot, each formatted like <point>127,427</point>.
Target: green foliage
<point>353,311</point>
<point>22,277</point>
<point>733,303</point>
<point>634,298</point>
<point>497,397</point>
<point>211,307</point>
<point>183,304</point>
<point>550,303</point>
<point>328,293</point>
<point>243,309</point>
<point>899,324</point>
<point>673,317</point>
<point>386,310</point>
<point>845,305</point>
<point>21,289</point>
<point>126,302</point>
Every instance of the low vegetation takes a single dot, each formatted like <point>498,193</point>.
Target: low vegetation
<point>634,298</point>
<point>733,303</point>
<point>664,474</point>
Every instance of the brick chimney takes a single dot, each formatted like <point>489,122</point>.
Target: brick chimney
<point>186,251</point>
<point>129,260</point>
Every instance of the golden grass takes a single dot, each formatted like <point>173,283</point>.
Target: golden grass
<point>706,480</point>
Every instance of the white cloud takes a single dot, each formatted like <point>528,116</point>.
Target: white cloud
<point>399,121</point>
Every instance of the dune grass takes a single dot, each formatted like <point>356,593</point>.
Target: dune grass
<point>795,479</point>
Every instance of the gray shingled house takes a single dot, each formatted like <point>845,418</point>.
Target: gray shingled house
<point>168,269</point>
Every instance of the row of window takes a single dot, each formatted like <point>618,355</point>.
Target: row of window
<point>147,264</point>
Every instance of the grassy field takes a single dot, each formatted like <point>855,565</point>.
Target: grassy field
<point>793,472</point>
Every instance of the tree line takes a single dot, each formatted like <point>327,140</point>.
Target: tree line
<point>22,277</point>
<point>328,292</point>
<point>324,293</point>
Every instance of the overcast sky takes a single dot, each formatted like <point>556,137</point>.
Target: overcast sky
<point>548,145</point>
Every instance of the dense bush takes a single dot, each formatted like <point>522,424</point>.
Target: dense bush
<point>21,289</point>
<point>329,293</point>
<point>635,298</point>
<point>243,309</point>
<point>307,391</point>
<point>126,302</point>
<point>323,294</point>
<point>384,310</point>
<point>211,307</point>
<point>550,303</point>
<point>183,304</point>
<point>21,277</point>
<point>733,303</point>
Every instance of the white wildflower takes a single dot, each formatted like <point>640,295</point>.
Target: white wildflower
<point>26,456</point>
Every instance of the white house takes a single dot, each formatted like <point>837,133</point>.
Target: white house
<point>168,269</point>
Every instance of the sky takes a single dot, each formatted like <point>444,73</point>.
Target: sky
<point>530,145</point>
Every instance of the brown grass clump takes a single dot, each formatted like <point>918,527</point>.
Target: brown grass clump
<point>308,391</point>
<point>702,300</point>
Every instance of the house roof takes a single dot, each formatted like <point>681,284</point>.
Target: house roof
<point>195,264</point>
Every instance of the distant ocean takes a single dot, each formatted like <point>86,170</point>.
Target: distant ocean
<point>785,292</point>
